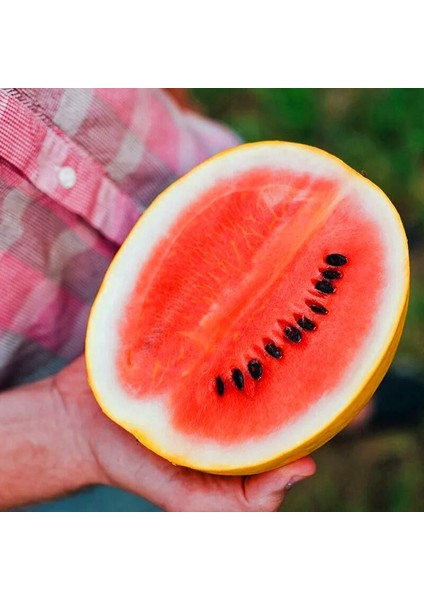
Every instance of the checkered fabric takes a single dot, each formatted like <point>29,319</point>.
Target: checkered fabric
<point>77,168</point>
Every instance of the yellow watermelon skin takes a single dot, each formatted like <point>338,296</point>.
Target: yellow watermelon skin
<point>205,340</point>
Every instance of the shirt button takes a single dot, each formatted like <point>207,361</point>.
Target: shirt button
<point>67,177</point>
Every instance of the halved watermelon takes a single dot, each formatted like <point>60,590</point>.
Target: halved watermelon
<point>252,311</point>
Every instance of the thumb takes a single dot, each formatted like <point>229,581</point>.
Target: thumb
<point>265,492</point>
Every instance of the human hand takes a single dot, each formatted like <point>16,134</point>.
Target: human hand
<point>113,456</point>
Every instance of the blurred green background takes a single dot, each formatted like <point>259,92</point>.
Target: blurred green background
<point>379,467</point>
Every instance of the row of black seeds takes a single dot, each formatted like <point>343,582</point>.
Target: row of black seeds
<point>293,334</point>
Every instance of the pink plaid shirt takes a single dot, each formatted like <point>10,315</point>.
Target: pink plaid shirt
<point>77,168</point>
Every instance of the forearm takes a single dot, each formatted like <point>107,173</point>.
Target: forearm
<point>42,454</point>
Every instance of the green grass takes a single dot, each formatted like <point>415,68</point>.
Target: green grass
<point>381,132</point>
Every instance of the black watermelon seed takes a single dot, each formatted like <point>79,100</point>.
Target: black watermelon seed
<point>293,334</point>
<point>220,388</point>
<point>325,287</point>
<point>318,309</point>
<point>274,350</point>
<point>238,379</point>
<point>255,368</point>
<point>332,274</point>
<point>306,324</point>
<point>336,260</point>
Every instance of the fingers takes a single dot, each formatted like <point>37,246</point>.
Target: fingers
<point>193,491</point>
<point>265,492</point>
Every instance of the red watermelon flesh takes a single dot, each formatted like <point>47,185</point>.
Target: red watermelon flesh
<point>213,307</point>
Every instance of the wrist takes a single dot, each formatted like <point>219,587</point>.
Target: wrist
<point>77,409</point>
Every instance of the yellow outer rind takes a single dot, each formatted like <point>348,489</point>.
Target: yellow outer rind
<point>312,443</point>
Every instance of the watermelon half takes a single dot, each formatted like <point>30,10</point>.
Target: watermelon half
<point>252,311</point>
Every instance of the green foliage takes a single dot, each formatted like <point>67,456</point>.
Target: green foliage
<point>373,472</point>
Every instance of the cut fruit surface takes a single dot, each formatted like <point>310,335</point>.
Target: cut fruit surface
<point>252,311</point>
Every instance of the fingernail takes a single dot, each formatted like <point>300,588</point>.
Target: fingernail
<point>293,481</point>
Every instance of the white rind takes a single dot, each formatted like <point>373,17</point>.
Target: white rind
<point>149,415</point>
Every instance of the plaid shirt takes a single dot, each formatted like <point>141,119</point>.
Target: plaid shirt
<point>77,168</point>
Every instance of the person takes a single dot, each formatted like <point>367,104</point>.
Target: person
<point>77,169</point>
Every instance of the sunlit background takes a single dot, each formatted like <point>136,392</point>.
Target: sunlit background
<point>379,466</point>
